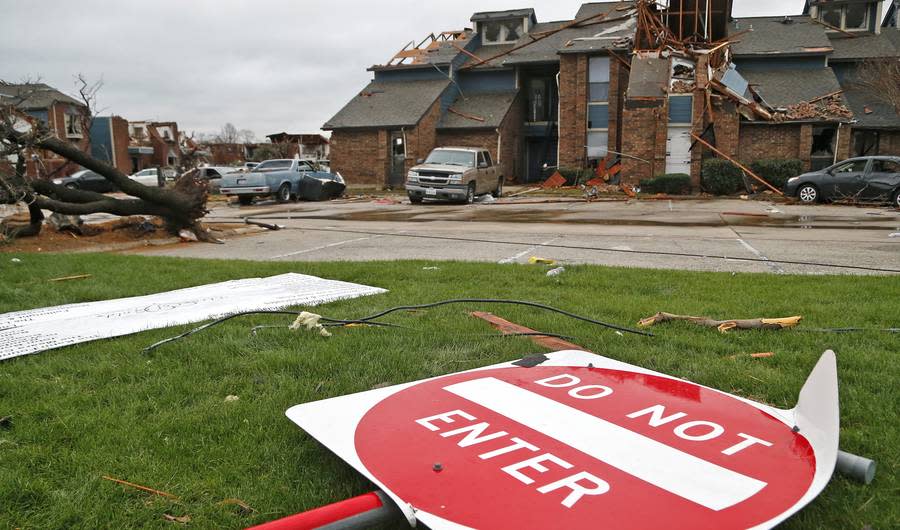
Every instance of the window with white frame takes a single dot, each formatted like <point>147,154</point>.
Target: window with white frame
<point>598,107</point>
<point>501,31</point>
<point>73,125</point>
<point>848,17</point>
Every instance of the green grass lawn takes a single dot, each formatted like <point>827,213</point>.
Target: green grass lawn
<point>161,420</point>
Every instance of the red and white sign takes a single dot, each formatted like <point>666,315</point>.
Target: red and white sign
<point>581,441</point>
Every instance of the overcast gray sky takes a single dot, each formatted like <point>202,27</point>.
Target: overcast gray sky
<point>263,65</point>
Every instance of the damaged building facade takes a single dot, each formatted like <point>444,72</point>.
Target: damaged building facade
<point>630,83</point>
<point>64,116</point>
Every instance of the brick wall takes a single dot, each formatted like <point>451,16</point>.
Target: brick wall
<point>359,156</point>
<point>760,141</point>
<point>573,94</point>
<point>644,136</point>
<point>889,143</point>
<point>363,158</point>
<point>120,137</point>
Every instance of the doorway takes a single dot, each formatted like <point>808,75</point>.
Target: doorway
<point>398,159</point>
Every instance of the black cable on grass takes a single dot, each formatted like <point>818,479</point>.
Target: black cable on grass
<point>511,302</point>
<point>371,318</point>
<point>218,321</point>
<point>596,249</point>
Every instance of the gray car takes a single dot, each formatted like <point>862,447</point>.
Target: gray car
<point>863,179</point>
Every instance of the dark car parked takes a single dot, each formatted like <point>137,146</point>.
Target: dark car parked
<point>868,179</point>
<point>86,180</point>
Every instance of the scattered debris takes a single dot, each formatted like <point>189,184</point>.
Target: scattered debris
<point>67,278</point>
<point>182,519</point>
<point>894,235</point>
<point>761,355</point>
<point>263,225</point>
<point>17,260</point>
<point>142,488</point>
<point>243,507</point>
<point>431,268</point>
<point>511,328</point>
<point>63,223</point>
<point>723,325</point>
<point>536,260</point>
<point>5,422</point>
<point>187,236</point>
<point>556,180</point>
<point>464,115</point>
<point>231,398</point>
<point>487,198</point>
<point>311,322</point>
<point>556,272</point>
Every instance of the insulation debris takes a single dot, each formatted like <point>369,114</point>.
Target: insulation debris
<point>831,107</point>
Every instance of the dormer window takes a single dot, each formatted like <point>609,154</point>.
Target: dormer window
<point>501,31</point>
<point>846,16</point>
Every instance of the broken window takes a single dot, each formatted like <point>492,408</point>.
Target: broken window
<point>513,29</point>
<point>823,143</point>
<point>847,17</point>
<point>502,31</point>
<point>73,125</point>
<point>865,143</point>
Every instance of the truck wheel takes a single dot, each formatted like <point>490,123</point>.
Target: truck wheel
<point>415,199</point>
<point>499,191</point>
<point>470,193</point>
<point>284,193</point>
<point>245,200</point>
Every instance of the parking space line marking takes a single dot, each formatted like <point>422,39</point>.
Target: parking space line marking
<point>774,266</point>
<point>323,247</point>
<point>515,257</point>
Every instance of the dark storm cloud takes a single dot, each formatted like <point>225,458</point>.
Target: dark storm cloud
<point>264,65</point>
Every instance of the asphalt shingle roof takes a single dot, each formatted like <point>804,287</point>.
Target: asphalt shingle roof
<point>493,107</point>
<point>29,96</point>
<point>879,115</point>
<point>566,41</point>
<point>394,104</point>
<point>781,88</point>
<point>771,36</point>
<point>864,46</point>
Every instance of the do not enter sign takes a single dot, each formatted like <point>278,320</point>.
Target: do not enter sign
<point>581,441</point>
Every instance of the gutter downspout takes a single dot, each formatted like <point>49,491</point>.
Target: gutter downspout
<point>558,119</point>
<point>837,143</point>
<point>499,144</point>
<point>112,142</point>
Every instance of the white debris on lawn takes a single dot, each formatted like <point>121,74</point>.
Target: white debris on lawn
<point>37,330</point>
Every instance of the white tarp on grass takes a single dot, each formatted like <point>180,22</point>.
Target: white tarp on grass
<point>36,330</point>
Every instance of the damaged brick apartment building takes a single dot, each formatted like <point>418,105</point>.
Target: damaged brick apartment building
<point>632,82</point>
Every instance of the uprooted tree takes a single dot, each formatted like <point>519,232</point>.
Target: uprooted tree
<point>181,207</point>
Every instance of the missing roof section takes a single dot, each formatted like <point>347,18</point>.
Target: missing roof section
<point>436,48</point>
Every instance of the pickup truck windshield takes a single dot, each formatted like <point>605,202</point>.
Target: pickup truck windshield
<point>270,165</point>
<point>451,158</point>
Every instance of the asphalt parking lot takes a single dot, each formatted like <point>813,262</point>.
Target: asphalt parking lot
<point>707,235</point>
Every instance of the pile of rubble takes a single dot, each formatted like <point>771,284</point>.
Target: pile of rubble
<point>830,107</point>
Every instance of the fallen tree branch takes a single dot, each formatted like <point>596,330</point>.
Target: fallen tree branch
<point>723,325</point>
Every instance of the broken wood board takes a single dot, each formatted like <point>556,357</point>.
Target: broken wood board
<point>511,328</point>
